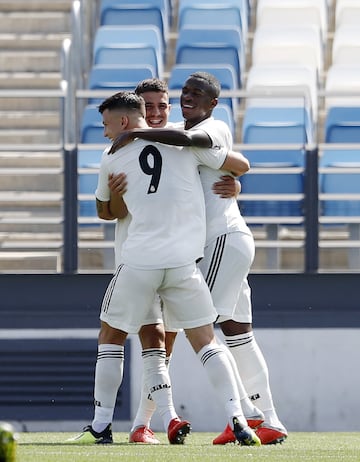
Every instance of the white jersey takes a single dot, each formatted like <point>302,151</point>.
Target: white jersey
<point>165,200</point>
<point>222,215</point>
<point>121,227</point>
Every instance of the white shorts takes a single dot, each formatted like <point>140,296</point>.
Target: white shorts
<point>129,300</point>
<point>225,266</point>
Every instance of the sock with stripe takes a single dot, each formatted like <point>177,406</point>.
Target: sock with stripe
<point>108,377</point>
<point>147,405</point>
<point>220,373</point>
<point>254,373</point>
<point>157,380</point>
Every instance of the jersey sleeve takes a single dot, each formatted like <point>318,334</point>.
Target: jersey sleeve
<point>219,133</point>
<point>213,157</point>
<point>102,192</point>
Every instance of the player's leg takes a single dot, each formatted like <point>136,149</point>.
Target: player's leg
<point>141,432</point>
<point>124,309</point>
<point>108,377</point>
<point>189,306</point>
<point>255,375</point>
<point>226,261</point>
<point>158,384</point>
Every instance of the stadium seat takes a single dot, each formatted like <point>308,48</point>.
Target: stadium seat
<point>129,45</point>
<point>117,77</point>
<point>285,44</point>
<point>284,86</point>
<point>225,74</point>
<point>264,125</point>
<point>131,53</point>
<point>213,14</point>
<point>92,129</point>
<point>347,12</point>
<point>346,45</point>
<point>342,85</point>
<point>340,183</point>
<point>342,125</point>
<point>137,12</point>
<point>87,182</point>
<point>278,13</point>
<point>276,125</point>
<point>242,5</point>
<point>340,180</point>
<point>221,112</point>
<point>215,45</point>
<point>283,182</point>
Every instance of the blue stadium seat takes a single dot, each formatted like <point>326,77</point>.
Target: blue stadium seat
<point>215,45</point>
<point>219,14</point>
<point>117,77</point>
<point>221,112</point>
<point>225,74</point>
<point>276,125</point>
<point>342,125</point>
<point>340,183</point>
<point>87,182</point>
<point>137,12</point>
<point>131,45</point>
<point>92,129</point>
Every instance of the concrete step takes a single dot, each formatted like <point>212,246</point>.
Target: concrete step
<point>21,159</point>
<point>29,119</point>
<point>31,179</point>
<point>34,21</point>
<point>30,103</point>
<point>35,5</point>
<point>35,41</point>
<point>30,61</point>
<point>30,136</point>
<point>30,80</point>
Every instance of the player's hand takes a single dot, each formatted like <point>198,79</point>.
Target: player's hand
<point>118,183</point>
<point>122,140</point>
<point>227,187</point>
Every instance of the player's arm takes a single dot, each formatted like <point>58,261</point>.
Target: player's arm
<point>236,163</point>
<point>227,187</point>
<point>103,210</point>
<point>118,187</point>
<point>171,136</point>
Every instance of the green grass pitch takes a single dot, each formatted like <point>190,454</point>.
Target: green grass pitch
<point>299,447</point>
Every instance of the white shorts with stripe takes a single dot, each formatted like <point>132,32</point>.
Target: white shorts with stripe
<point>128,303</point>
<point>225,266</point>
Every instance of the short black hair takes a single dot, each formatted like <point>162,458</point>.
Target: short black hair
<point>123,100</point>
<point>210,79</point>
<point>152,84</point>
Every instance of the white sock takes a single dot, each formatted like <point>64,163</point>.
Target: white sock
<point>147,406</point>
<point>254,373</point>
<point>247,406</point>
<point>108,378</point>
<point>157,379</point>
<point>220,373</point>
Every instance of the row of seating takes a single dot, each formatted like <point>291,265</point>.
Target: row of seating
<point>286,114</point>
<point>288,58</point>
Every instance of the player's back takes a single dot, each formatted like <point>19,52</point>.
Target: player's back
<point>165,199</point>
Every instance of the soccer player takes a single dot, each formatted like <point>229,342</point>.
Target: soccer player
<point>229,251</point>
<point>158,257</point>
<point>155,93</point>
